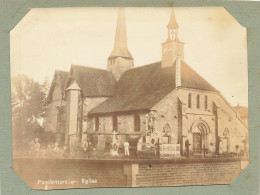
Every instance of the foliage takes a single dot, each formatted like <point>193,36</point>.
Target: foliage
<point>28,109</point>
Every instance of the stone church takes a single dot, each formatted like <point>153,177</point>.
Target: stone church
<point>167,97</point>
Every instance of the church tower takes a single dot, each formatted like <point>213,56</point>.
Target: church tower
<point>172,49</point>
<point>120,59</point>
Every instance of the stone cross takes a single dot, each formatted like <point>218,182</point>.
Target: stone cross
<point>114,136</point>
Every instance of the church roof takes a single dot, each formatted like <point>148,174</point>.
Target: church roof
<point>242,110</point>
<point>92,81</point>
<point>191,79</point>
<point>142,87</point>
<point>60,77</point>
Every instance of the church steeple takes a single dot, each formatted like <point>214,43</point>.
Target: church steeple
<point>173,28</point>
<point>172,49</point>
<point>120,59</point>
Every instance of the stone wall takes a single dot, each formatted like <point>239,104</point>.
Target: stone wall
<point>88,104</point>
<point>183,122</point>
<point>166,112</point>
<point>178,174</point>
<point>227,118</point>
<point>230,120</point>
<point>203,114</point>
<point>119,65</point>
<point>50,123</point>
<point>126,173</point>
<point>102,173</point>
<point>125,123</point>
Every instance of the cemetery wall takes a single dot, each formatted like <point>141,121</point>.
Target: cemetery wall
<point>177,174</point>
<point>71,171</point>
<point>125,173</point>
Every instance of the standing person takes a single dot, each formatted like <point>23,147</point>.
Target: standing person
<point>187,145</point>
<point>49,150</point>
<point>144,138</point>
<point>126,147</point>
<point>85,145</point>
<point>218,146</point>
<point>139,145</point>
<point>90,150</point>
<point>37,147</point>
<point>31,148</point>
<point>158,147</point>
<point>56,149</point>
<point>65,152</point>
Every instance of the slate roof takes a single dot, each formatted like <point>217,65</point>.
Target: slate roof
<point>60,77</point>
<point>191,79</point>
<point>92,81</point>
<point>142,87</point>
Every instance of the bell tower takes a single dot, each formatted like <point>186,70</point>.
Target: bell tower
<point>120,60</point>
<point>172,48</point>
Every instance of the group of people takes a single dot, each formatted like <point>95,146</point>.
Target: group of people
<point>153,144</point>
<point>89,149</point>
<point>52,150</point>
<point>34,147</point>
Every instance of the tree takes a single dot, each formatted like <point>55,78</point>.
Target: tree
<point>28,108</point>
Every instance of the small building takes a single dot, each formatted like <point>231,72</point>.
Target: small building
<point>168,98</point>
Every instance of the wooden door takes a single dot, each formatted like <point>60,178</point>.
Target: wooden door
<point>197,143</point>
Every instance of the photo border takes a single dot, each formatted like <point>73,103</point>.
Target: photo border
<point>246,13</point>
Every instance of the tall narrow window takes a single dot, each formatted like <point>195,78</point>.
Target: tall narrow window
<point>189,101</point>
<point>198,101</point>
<point>115,123</point>
<point>206,102</point>
<point>96,123</point>
<point>137,123</point>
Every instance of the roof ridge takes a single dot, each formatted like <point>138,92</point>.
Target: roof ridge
<point>74,65</point>
<point>56,70</point>
<point>154,63</point>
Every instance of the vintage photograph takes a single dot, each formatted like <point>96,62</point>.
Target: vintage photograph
<point>129,97</point>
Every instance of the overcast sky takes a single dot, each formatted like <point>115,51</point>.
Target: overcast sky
<point>55,38</point>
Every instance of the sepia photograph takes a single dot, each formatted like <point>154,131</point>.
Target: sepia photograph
<point>129,97</point>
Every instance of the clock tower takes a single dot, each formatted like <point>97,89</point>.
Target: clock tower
<point>172,48</point>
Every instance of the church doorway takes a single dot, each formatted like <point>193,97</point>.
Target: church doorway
<point>197,143</point>
<point>200,138</point>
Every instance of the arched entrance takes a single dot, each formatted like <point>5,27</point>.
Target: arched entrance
<point>200,138</point>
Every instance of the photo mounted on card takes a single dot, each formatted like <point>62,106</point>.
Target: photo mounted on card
<point>129,97</point>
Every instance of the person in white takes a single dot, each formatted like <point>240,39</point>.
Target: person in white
<point>126,146</point>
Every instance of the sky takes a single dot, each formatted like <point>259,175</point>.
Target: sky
<point>47,39</point>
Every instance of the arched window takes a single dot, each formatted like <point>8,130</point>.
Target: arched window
<point>198,101</point>
<point>137,122</point>
<point>167,129</point>
<point>96,123</point>
<point>206,102</point>
<point>189,101</point>
<point>115,123</point>
<point>226,133</point>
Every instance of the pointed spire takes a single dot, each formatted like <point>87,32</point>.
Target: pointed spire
<point>120,45</point>
<point>173,23</point>
<point>173,28</point>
